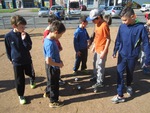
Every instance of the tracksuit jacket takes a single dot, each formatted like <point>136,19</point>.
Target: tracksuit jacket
<point>18,50</point>
<point>128,41</point>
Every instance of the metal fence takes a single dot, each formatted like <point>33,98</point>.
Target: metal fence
<point>36,22</point>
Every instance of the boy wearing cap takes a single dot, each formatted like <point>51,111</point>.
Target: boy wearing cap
<point>101,43</point>
<point>81,39</point>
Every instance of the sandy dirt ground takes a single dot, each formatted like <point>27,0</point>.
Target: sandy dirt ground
<point>83,101</point>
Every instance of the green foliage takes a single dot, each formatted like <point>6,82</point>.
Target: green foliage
<point>34,10</point>
<point>8,10</point>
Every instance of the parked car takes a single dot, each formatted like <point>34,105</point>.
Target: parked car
<point>114,11</point>
<point>59,8</point>
<point>83,7</point>
<point>43,12</point>
<point>101,7</point>
<point>145,7</point>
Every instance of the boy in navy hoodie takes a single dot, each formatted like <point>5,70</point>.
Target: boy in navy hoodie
<point>18,45</point>
<point>128,44</point>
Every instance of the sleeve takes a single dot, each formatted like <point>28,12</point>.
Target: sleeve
<point>146,46</point>
<point>117,43</point>
<point>76,42</point>
<point>27,42</point>
<point>49,51</point>
<point>8,47</point>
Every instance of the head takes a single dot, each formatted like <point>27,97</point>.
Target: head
<point>128,16</point>
<point>18,23</point>
<point>148,18</point>
<point>82,20</point>
<point>51,18</point>
<point>96,16</point>
<point>108,19</point>
<point>57,28</point>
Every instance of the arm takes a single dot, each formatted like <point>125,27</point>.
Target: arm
<point>76,44</point>
<point>8,48</point>
<point>26,40</point>
<point>108,40</point>
<point>105,51</point>
<point>146,46</point>
<point>117,45</point>
<point>50,62</point>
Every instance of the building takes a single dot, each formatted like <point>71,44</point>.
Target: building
<point>49,3</point>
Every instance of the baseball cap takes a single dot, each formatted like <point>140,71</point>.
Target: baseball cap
<point>94,14</point>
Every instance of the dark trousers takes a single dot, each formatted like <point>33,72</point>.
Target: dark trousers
<point>128,65</point>
<point>19,73</point>
<point>79,59</point>
<point>53,75</point>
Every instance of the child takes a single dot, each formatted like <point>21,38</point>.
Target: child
<point>128,44</point>
<point>81,38</point>
<point>18,45</point>
<point>46,32</point>
<point>57,14</point>
<point>108,19</point>
<point>101,44</point>
<point>145,69</point>
<point>53,62</point>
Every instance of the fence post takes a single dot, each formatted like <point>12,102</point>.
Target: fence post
<point>3,22</point>
<point>34,21</point>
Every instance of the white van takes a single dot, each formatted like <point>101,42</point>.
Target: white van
<point>73,8</point>
<point>145,7</point>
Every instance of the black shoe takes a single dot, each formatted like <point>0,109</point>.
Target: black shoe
<point>61,82</point>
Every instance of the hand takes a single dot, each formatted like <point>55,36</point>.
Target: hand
<point>102,55</point>
<point>79,53</point>
<point>93,49</point>
<point>114,56</point>
<point>23,35</point>
<point>61,64</point>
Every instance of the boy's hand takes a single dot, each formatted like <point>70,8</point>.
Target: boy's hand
<point>61,64</point>
<point>114,56</point>
<point>79,53</point>
<point>93,49</point>
<point>23,35</point>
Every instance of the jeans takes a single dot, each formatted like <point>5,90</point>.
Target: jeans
<point>122,65</point>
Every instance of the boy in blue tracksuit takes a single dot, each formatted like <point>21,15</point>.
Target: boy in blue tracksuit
<point>18,45</point>
<point>81,38</point>
<point>128,44</point>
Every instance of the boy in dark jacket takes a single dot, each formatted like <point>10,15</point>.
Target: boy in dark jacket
<point>128,44</point>
<point>81,44</point>
<point>18,45</point>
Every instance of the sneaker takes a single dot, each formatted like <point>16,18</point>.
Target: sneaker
<point>61,82</point>
<point>55,104</point>
<point>32,84</point>
<point>22,100</point>
<point>46,95</point>
<point>129,90</point>
<point>74,72</point>
<point>93,79</point>
<point>97,85</point>
<point>117,99</point>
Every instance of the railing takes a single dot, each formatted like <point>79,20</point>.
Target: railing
<point>36,22</point>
